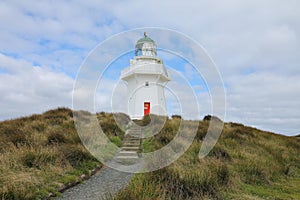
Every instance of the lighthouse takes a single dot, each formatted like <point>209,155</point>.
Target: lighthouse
<point>146,78</point>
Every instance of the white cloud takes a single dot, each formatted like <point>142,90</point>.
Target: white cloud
<point>28,89</point>
<point>255,44</point>
<point>265,100</point>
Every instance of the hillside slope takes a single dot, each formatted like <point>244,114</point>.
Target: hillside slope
<point>41,153</point>
<point>246,163</point>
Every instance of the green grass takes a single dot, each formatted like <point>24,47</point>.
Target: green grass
<point>40,153</point>
<point>116,140</point>
<point>246,163</point>
<point>284,189</point>
<point>148,146</point>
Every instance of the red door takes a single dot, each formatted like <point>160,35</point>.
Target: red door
<point>146,108</point>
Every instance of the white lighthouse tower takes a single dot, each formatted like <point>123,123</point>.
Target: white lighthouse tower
<point>146,78</point>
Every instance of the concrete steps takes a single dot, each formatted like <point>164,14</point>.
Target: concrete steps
<point>128,153</point>
<point>125,158</point>
<point>130,146</point>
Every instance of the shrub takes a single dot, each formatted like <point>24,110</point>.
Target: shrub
<point>21,185</point>
<point>202,130</point>
<point>75,154</point>
<point>39,158</point>
<point>57,116</point>
<point>219,153</point>
<point>116,140</point>
<point>109,125</point>
<point>39,126</point>
<point>56,137</point>
<point>176,117</point>
<point>59,112</point>
<point>193,184</point>
<point>247,131</point>
<point>209,118</point>
<point>19,139</point>
<point>253,173</point>
<point>146,120</point>
<point>11,128</point>
<point>233,125</point>
<point>222,174</point>
<point>167,132</point>
<point>29,159</point>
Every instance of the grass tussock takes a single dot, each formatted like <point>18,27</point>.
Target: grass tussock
<point>41,153</point>
<point>246,163</point>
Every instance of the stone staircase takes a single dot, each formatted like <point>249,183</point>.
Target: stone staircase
<point>130,146</point>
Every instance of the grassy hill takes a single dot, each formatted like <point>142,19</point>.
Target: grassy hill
<point>42,153</point>
<point>246,163</point>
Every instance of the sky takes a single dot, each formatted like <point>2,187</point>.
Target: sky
<point>255,45</point>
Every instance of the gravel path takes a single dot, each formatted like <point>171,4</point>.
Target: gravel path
<point>107,182</point>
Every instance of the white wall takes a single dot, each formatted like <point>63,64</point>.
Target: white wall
<point>138,93</point>
<point>142,70</point>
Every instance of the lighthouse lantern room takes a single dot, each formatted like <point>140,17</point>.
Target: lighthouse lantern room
<point>146,78</point>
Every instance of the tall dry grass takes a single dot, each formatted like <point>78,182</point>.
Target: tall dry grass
<point>41,153</point>
<point>246,163</point>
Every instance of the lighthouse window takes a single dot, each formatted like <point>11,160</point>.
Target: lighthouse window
<point>146,83</point>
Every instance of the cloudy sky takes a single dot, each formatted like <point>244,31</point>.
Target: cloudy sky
<point>255,45</point>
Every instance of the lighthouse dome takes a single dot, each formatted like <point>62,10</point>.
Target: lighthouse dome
<point>145,47</point>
